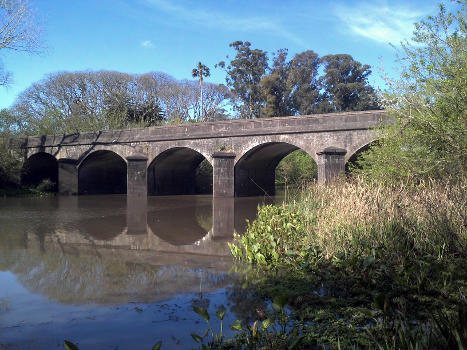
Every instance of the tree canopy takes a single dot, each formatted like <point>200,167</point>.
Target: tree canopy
<point>428,103</point>
<point>295,87</point>
<point>18,31</point>
<point>345,84</point>
<point>85,101</point>
<point>244,74</point>
<point>201,71</point>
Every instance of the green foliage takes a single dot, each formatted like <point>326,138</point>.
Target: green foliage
<point>345,82</point>
<point>68,102</point>
<point>69,345</point>
<point>157,346</point>
<point>201,71</point>
<point>273,329</point>
<point>291,87</point>
<point>10,153</point>
<point>271,238</point>
<point>203,177</point>
<point>216,340</point>
<point>275,88</point>
<point>244,74</point>
<point>374,266</point>
<point>295,87</point>
<point>303,83</point>
<point>10,166</point>
<point>428,104</point>
<point>296,168</point>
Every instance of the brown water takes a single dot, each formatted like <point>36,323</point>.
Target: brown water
<point>111,272</point>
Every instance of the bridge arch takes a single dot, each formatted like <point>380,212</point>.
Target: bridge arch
<point>179,170</point>
<point>355,155</point>
<point>38,168</point>
<point>255,169</point>
<point>102,172</point>
<point>360,146</point>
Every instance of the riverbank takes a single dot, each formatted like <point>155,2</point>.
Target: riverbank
<point>364,265</point>
<point>23,192</point>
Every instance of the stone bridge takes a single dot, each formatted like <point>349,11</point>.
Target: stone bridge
<point>164,160</point>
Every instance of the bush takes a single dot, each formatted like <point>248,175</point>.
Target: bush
<point>428,103</point>
<point>271,237</point>
<point>46,185</point>
<point>10,166</point>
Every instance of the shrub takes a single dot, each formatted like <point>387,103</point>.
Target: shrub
<point>271,237</point>
<point>46,185</point>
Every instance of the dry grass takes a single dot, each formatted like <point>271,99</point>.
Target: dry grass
<point>355,217</point>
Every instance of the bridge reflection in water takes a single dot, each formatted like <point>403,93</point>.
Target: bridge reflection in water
<point>107,249</point>
<point>113,270</point>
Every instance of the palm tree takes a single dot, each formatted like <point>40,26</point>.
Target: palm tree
<point>199,72</point>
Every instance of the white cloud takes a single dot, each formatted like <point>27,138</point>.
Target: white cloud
<point>384,24</point>
<point>227,21</point>
<point>147,44</point>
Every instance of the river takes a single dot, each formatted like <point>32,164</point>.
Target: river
<point>112,272</point>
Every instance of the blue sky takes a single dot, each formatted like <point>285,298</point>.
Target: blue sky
<point>139,36</point>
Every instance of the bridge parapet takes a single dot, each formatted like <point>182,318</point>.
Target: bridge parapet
<point>231,128</point>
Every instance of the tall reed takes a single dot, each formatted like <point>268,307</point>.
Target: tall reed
<point>356,216</point>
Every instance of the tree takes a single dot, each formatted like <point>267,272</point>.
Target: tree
<point>303,83</point>
<point>346,85</point>
<point>216,103</point>
<point>199,72</point>
<point>18,31</point>
<point>244,74</point>
<point>10,166</point>
<point>275,89</point>
<point>67,102</point>
<point>428,103</point>
<point>89,101</point>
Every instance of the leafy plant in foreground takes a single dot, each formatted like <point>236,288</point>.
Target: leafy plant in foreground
<point>271,237</point>
<point>216,338</point>
<point>274,329</point>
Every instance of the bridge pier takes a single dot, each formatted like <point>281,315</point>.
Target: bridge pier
<point>223,218</point>
<point>67,176</point>
<point>223,174</point>
<point>331,164</point>
<point>137,182</point>
<point>136,215</point>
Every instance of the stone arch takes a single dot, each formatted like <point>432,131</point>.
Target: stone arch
<point>302,144</point>
<point>357,147</point>
<point>174,172</point>
<point>39,167</point>
<point>255,169</point>
<point>154,153</point>
<point>82,154</point>
<point>102,172</point>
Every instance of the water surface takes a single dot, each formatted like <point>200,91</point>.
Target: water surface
<point>116,272</point>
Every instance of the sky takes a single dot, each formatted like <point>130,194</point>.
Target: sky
<point>140,36</point>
